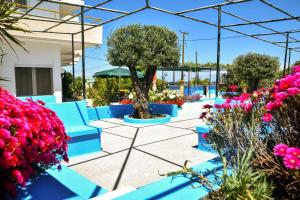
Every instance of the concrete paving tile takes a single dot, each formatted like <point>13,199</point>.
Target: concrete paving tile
<point>157,133</point>
<point>125,131</point>
<point>122,123</point>
<point>102,124</point>
<point>187,123</point>
<point>140,170</point>
<point>112,143</point>
<point>178,150</point>
<point>83,158</point>
<point>102,171</point>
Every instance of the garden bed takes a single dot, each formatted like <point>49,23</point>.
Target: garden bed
<point>155,119</point>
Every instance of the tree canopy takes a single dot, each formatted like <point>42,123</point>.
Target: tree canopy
<point>143,45</point>
<point>254,67</point>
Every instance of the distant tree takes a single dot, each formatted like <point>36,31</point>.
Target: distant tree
<point>296,63</point>
<point>103,91</point>
<point>254,67</point>
<point>67,85</point>
<point>78,89</point>
<point>146,46</point>
<point>208,65</point>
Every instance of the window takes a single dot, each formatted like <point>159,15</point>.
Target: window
<point>33,81</point>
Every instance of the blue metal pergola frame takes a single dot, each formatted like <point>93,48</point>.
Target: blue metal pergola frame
<point>82,9</point>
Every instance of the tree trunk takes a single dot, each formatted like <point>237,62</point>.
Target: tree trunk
<point>141,88</point>
<point>253,85</point>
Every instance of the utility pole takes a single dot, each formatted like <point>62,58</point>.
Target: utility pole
<point>183,45</point>
<point>196,68</point>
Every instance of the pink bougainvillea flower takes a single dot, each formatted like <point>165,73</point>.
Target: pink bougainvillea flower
<point>30,136</point>
<point>293,151</point>
<point>246,106</point>
<point>267,117</point>
<point>287,82</point>
<point>273,105</point>
<point>207,106</point>
<point>18,176</point>
<point>204,135</point>
<point>280,96</point>
<point>233,88</point>
<point>5,134</point>
<point>244,97</point>
<point>218,106</point>
<point>2,143</point>
<point>226,106</point>
<point>203,115</point>
<point>293,91</point>
<point>280,150</point>
<point>296,69</point>
<point>291,162</point>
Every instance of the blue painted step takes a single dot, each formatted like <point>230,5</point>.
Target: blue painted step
<point>178,187</point>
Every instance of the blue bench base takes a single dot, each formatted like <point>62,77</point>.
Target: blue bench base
<point>58,185</point>
<point>180,186</point>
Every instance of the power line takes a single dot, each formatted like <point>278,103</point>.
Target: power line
<point>229,37</point>
<point>96,58</point>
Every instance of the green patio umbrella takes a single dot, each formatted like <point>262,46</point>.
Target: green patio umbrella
<point>116,72</point>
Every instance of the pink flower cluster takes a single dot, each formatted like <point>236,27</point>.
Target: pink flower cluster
<point>233,88</point>
<point>284,88</point>
<point>243,101</point>
<point>290,155</point>
<point>32,137</point>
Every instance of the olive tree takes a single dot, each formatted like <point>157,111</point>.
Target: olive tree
<point>254,67</point>
<point>143,46</point>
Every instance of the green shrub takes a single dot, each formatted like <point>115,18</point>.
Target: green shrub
<point>244,183</point>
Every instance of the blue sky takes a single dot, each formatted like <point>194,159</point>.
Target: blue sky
<point>201,37</point>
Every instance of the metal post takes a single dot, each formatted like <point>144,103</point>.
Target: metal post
<point>196,74</point>
<point>83,52</point>
<point>162,80</point>
<point>183,45</point>
<point>218,50</point>
<point>73,67</point>
<point>189,83</point>
<point>289,61</point>
<point>285,53</point>
<point>209,80</point>
<point>173,77</point>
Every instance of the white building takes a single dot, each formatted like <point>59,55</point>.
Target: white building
<point>38,71</point>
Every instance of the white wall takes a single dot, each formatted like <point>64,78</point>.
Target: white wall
<point>40,55</point>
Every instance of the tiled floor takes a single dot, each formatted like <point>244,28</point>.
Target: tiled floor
<point>136,155</point>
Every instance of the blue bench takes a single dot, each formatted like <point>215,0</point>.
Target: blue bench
<point>119,111</point>
<point>84,138</point>
<point>56,185</point>
<point>180,186</point>
<point>45,98</point>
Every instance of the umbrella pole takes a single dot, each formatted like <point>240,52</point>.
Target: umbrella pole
<point>119,88</point>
